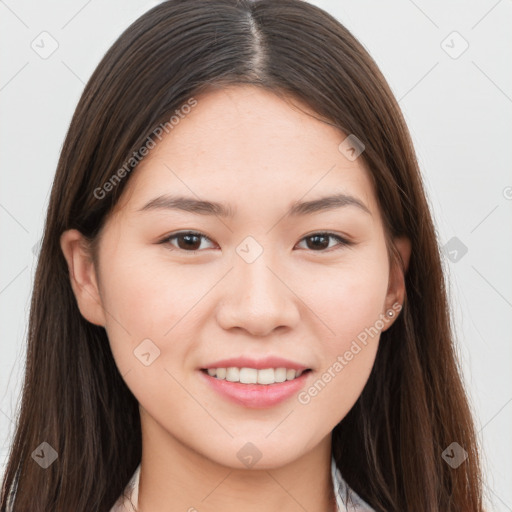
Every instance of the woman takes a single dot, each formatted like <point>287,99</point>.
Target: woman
<point>239,299</point>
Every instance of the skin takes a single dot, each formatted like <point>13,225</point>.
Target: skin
<point>300,300</point>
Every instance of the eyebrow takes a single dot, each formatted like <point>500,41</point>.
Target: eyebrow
<point>298,208</point>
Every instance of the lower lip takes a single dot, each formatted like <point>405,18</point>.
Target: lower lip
<point>257,396</point>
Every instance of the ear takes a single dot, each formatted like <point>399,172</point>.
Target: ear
<point>396,288</point>
<point>82,275</point>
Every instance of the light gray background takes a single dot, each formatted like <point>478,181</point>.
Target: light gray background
<point>458,111</point>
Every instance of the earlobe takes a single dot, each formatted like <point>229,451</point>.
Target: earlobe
<point>82,275</point>
<point>396,288</point>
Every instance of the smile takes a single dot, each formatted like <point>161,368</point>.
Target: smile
<point>264,376</point>
<point>265,387</point>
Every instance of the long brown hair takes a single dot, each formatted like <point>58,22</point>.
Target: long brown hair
<point>389,446</point>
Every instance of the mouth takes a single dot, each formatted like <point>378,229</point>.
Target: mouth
<point>264,376</point>
<point>255,388</point>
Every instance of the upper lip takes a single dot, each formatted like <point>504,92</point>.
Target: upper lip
<point>258,364</point>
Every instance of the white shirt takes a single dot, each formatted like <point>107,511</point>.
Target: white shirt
<point>131,492</point>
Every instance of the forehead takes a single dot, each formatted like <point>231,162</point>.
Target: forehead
<point>244,143</point>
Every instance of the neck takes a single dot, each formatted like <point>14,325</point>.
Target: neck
<point>176,478</point>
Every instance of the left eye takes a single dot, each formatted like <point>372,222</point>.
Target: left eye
<point>320,238</point>
<point>190,241</point>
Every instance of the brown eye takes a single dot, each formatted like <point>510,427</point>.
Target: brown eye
<point>319,242</point>
<point>190,241</point>
<point>187,241</point>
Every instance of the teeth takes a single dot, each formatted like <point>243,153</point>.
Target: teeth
<point>254,376</point>
<point>280,374</point>
<point>249,376</point>
<point>233,374</point>
<point>266,376</point>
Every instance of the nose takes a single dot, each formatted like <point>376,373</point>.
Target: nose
<point>256,298</point>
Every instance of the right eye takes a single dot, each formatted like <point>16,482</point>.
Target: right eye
<point>186,241</point>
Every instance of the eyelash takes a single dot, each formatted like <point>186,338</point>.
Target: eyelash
<point>342,241</point>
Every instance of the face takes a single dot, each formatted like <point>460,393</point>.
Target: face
<point>263,282</point>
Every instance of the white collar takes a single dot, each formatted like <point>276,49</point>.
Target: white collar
<point>354,504</point>
<point>341,489</point>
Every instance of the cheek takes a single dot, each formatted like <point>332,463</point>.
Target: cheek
<point>145,291</point>
<point>349,301</point>
<point>149,298</point>
<point>350,297</point>
<point>141,301</point>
